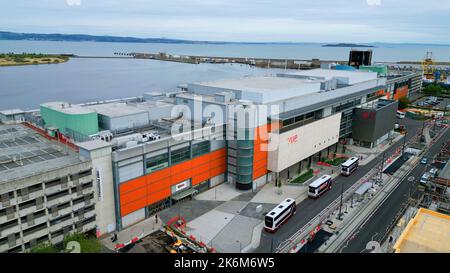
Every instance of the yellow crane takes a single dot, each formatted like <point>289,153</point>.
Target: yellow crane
<point>428,66</point>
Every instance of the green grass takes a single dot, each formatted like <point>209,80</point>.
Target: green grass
<point>303,177</point>
<point>87,245</point>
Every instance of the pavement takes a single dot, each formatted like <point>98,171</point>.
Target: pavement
<point>140,229</point>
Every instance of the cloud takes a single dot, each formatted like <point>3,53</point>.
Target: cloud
<point>231,20</point>
<point>73,2</point>
<point>373,2</point>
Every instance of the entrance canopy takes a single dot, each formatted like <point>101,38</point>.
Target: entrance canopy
<point>184,194</point>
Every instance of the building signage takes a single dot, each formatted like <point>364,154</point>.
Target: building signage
<point>99,181</point>
<point>181,186</point>
<point>293,139</point>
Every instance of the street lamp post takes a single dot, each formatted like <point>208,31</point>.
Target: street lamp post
<point>404,142</point>
<point>381,167</point>
<point>340,206</point>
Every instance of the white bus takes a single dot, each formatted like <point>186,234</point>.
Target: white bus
<point>279,215</point>
<point>349,166</point>
<point>318,187</point>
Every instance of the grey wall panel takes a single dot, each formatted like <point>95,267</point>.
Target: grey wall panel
<point>217,144</point>
<point>131,171</point>
<point>133,217</point>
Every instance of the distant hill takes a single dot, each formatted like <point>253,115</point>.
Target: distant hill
<point>90,38</point>
<point>4,35</point>
<point>346,45</point>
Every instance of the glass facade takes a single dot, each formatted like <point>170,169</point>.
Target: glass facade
<point>156,163</point>
<point>201,148</point>
<point>180,155</point>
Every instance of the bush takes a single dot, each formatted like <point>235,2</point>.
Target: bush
<point>304,177</point>
<point>403,103</point>
<point>87,245</point>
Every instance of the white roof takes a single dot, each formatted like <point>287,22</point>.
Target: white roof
<point>93,145</point>
<point>363,188</point>
<point>116,109</point>
<point>319,181</point>
<point>349,161</point>
<point>349,77</point>
<point>12,112</point>
<point>67,108</point>
<point>285,203</point>
<point>260,89</point>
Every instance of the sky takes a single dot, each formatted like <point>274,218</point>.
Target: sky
<point>352,21</point>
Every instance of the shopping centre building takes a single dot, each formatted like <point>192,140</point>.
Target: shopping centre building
<point>150,152</point>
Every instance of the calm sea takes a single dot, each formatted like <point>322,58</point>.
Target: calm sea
<point>82,80</point>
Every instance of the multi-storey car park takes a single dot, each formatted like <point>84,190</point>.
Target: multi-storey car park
<point>46,190</point>
<point>248,131</point>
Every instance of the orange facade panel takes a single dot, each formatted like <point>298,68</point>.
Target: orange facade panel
<point>158,185</point>
<point>133,195</point>
<point>201,177</point>
<point>180,167</point>
<point>259,172</point>
<point>178,177</point>
<point>260,164</point>
<point>133,206</point>
<point>132,185</point>
<point>200,169</point>
<point>217,154</point>
<point>217,171</point>
<point>260,156</point>
<point>153,187</point>
<point>158,175</point>
<point>217,163</point>
<point>158,196</point>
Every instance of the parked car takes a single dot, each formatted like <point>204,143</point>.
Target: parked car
<point>433,172</point>
<point>424,161</point>
<point>425,178</point>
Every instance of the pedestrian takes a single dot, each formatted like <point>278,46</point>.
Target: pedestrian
<point>156,218</point>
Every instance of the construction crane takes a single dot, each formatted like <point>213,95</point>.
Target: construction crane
<point>428,66</point>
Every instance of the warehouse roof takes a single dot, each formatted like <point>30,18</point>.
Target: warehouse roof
<point>427,232</point>
<point>116,109</point>
<point>352,77</point>
<point>24,152</point>
<point>260,84</point>
<point>259,89</point>
<point>67,108</point>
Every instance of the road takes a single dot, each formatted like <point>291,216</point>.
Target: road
<point>376,227</point>
<point>308,209</point>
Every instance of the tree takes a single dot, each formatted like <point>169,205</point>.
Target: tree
<point>403,103</point>
<point>433,90</point>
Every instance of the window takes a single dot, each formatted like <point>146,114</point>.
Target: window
<point>200,148</point>
<point>180,155</point>
<point>157,162</point>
